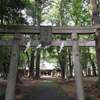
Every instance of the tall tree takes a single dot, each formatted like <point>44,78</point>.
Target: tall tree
<point>38,4</point>
<point>95,6</point>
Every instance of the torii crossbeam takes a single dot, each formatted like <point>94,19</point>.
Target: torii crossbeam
<point>25,29</point>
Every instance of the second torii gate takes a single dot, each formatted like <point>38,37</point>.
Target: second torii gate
<point>17,30</point>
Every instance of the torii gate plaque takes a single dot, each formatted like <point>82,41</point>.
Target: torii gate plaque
<point>45,35</point>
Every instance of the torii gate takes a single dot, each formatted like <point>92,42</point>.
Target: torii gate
<point>17,30</point>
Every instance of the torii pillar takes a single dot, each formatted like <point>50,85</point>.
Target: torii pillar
<point>11,83</point>
<point>77,67</point>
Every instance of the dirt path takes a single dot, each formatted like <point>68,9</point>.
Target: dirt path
<point>46,90</point>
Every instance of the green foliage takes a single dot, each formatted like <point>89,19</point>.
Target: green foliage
<point>10,11</point>
<point>56,12</point>
<point>4,55</point>
<point>2,97</point>
<point>70,12</point>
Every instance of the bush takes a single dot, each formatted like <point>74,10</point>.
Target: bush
<point>2,97</point>
<point>90,98</point>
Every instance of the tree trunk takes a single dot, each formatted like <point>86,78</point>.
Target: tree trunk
<point>37,76</point>
<point>10,91</point>
<point>96,20</point>
<point>70,63</point>
<point>28,63</point>
<point>62,62</point>
<point>31,69</point>
<point>94,68</point>
<point>62,70</point>
<point>92,64</point>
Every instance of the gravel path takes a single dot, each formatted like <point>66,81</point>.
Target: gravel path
<point>46,90</point>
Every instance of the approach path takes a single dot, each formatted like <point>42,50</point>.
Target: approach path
<point>46,90</point>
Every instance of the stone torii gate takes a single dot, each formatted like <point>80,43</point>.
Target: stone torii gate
<point>17,30</point>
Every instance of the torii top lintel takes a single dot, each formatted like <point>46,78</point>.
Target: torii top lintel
<point>26,29</point>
